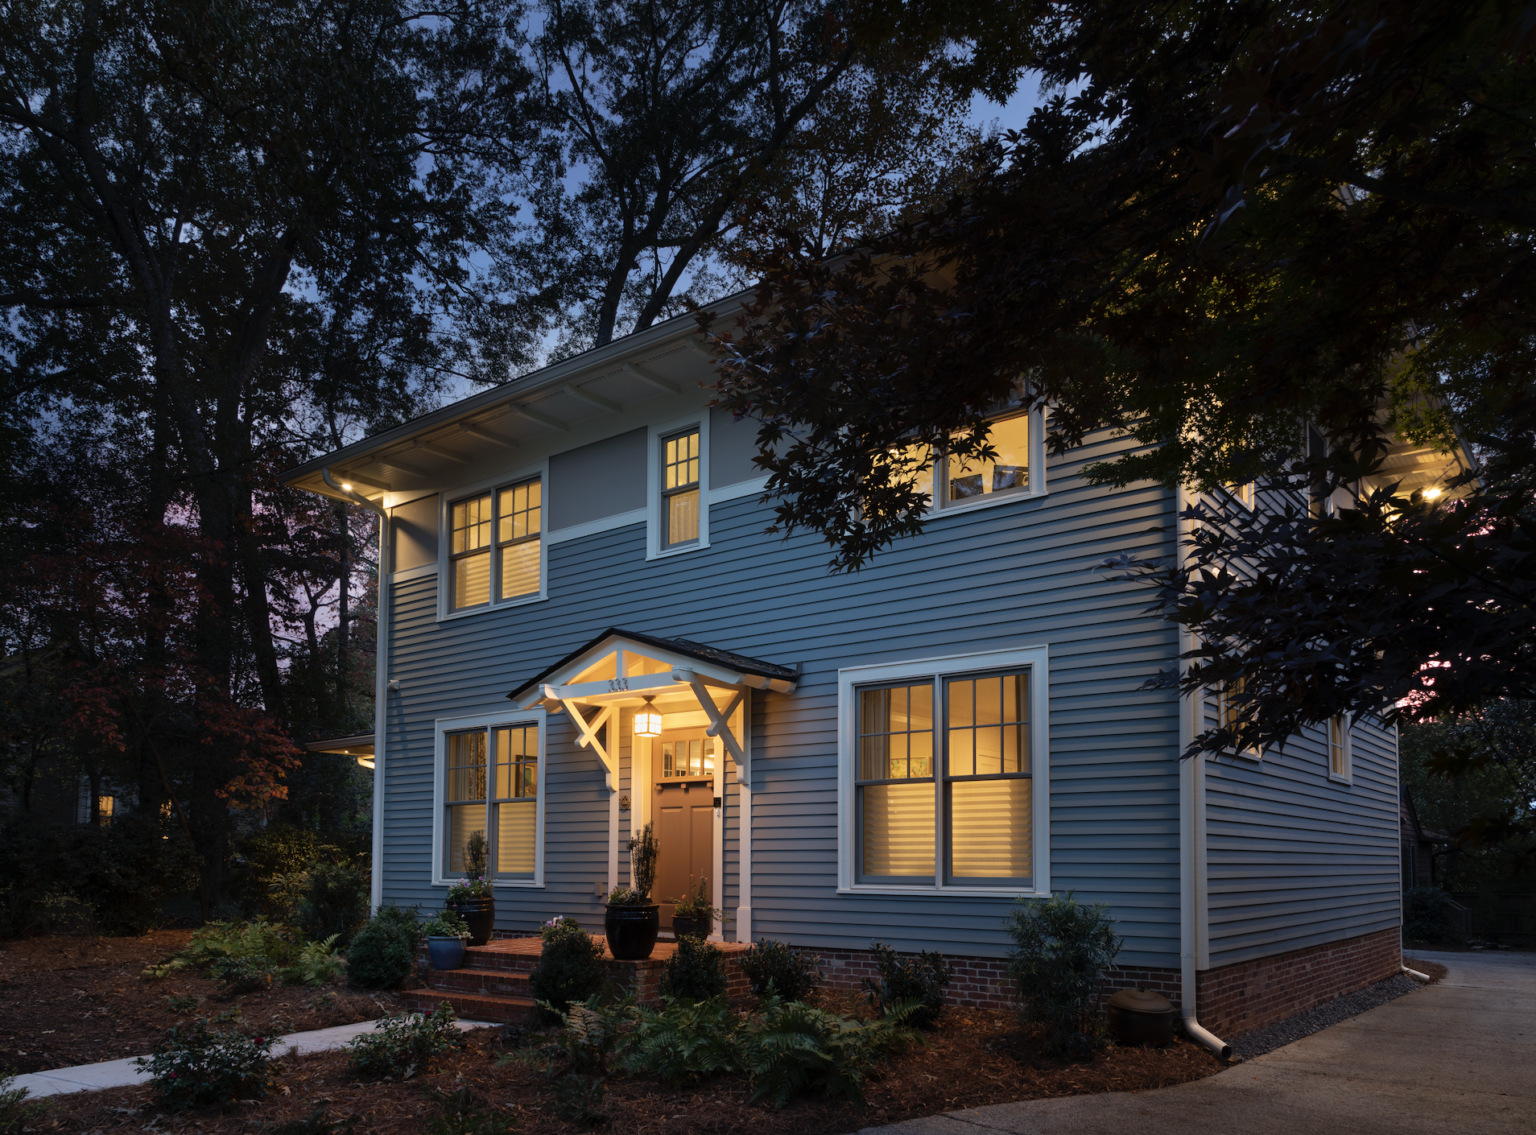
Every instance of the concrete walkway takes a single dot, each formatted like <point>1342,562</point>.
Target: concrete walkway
<point>1457,1056</point>
<point>122,1073</point>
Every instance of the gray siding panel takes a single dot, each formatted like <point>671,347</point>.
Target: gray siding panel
<point>597,480</point>
<point>1013,575</point>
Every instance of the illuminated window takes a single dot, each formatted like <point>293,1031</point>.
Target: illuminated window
<point>511,520</point>
<point>946,800</point>
<point>1007,473</point>
<point>1339,755</point>
<point>1229,712</point>
<point>491,786</point>
<point>680,489</point>
<point>105,806</point>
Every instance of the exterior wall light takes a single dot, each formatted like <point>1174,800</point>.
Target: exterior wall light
<point>647,721</point>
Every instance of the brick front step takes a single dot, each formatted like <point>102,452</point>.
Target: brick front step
<point>474,1006</point>
<point>510,983</point>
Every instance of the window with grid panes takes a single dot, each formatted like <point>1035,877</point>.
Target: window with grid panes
<point>950,796</point>
<point>469,552</point>
<point>680,495</point>
<point>1005,473</point>
<point>1338,747</point>
<point>507,522</point>
<point>492,787</point>
<point>517,539</point>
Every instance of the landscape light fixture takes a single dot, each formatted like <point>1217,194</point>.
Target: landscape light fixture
<point>648,720</point>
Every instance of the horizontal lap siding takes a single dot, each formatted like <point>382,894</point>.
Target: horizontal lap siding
<point>1008,576</point>
<point>1296,859</point>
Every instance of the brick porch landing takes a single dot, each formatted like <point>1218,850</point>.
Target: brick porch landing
<point>492,984</point>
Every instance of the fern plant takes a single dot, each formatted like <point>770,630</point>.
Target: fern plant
<point>918,983</point>
<point>593,1030</point>
<point>794,1048</point>
<point>317,963</point>
<point>686,1040</point>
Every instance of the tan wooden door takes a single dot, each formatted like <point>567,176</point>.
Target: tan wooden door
<point>683,810</point>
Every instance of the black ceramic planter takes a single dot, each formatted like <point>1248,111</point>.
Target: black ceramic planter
<point>631,931</point>
<point>686,927</point>
<point>479,915</point>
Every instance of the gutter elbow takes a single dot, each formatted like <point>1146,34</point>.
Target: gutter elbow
<point>1198,1032</point>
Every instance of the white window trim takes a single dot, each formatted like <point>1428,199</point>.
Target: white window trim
<point>1037,483</point>
<point>1255,753</point>
<point>1347,737</point>
<point>440,730</point>
<point>447,500</point>
<point>654,434</point>
<point>1037,658</point>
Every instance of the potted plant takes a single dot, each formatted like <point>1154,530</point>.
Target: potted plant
<point>445,935</point>
<point>695,915</point>
<point>631,920</point>
<point>471,896</point>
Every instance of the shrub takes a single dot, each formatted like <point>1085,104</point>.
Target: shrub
<point>571,967</point>
<point>1429,916</point>
<point>317,963</point>
<point>911,988</point>
<point>794,1048</point>
<point>1061,954</point>
<point>334,902</point>
<point>16,1113</point>
<point>243,975</point>
<point>384,952</point>
<point>775,969</point>
<point>196,1065</point>
<point>449,924</point>
<point>405,1044</point>
<point>685,1040</point>
<point>695,972</point>
<point>216,943</point>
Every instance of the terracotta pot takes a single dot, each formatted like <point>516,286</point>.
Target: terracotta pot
<point>445,953</point>
<point>1139,1016</point>
<point>631,930</point>
<point>687,926</point>
<point>480,915</point>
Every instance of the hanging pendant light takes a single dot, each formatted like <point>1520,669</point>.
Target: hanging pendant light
<point>648,721</point>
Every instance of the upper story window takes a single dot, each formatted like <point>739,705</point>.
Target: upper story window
<point>1339,755</point>
<point>513,516</point>
<point>963,480</point>
<point>680,489</point>
<point>945,774</point>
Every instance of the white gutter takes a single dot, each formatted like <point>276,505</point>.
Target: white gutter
<point>380,692</point>
<point>1193,916</point>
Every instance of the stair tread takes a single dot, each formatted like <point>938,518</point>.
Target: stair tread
<point>450,994</point>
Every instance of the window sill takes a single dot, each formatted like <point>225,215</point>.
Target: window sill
<point>991,500</point>
<point>668,553</point>
<point>508,884</point>
<point>1347,781</point>
<point>942,892</point>
<point>470,612</point>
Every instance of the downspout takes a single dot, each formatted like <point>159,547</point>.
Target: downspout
<point>1192,913</point>
<point>380,691</point>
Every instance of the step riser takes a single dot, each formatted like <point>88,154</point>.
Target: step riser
<point>468,1007</point>
<point>461,981</point>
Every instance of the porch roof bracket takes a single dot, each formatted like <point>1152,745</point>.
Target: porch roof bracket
<point>719,723</point>
<point>589,737</point>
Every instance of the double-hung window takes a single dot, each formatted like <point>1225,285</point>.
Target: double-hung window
<point>947,771</point>
<point>490,787</point>
<point>1339,748</point>
<point>680,489</point>
<point>494,546</point>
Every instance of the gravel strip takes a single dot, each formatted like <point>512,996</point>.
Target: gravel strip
<point>1313,1020</point>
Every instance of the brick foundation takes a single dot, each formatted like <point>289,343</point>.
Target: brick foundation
<point>1245,996</point>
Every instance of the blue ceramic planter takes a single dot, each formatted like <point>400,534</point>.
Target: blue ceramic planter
<point>445,953</point>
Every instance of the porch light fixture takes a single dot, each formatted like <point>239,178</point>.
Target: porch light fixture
<point>647,721</point>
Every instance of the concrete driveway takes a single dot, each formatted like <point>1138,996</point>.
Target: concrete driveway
<point>1458,1057</point>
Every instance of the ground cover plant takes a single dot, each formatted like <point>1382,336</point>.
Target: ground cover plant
<point>66,1001</point>
<point>1061,953</point>
<point>970,1058</point>
<point>195,1065</point>
<point>17,1112</point>
<point>405,1044</point>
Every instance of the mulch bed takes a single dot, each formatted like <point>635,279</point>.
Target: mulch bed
<point>1432,970</point>
<point>973,1058</point>
<point>69,1001</point>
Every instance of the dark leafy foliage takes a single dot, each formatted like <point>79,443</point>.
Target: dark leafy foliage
<point>405,1044</point>
<point>244,974</point>
<point>695,971</point>
<point>1061,954</point>
<point>383,953</point>
<point>594,1030</point>
<point>793,1048</point>
<point>317,1122</point>
<point>1428,917</point>
<point>571,967</point>
<point>777,969</point>
<point>686,1040</point>
<point>17,1113</point>
<point>197,1065</point>
<point>335,901</point>
<point>912,987</point>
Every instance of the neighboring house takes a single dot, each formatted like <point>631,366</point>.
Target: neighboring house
<point>897,754</point>
<point>1418,845</point>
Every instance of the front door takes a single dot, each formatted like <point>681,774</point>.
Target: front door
<point>683,810</point>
